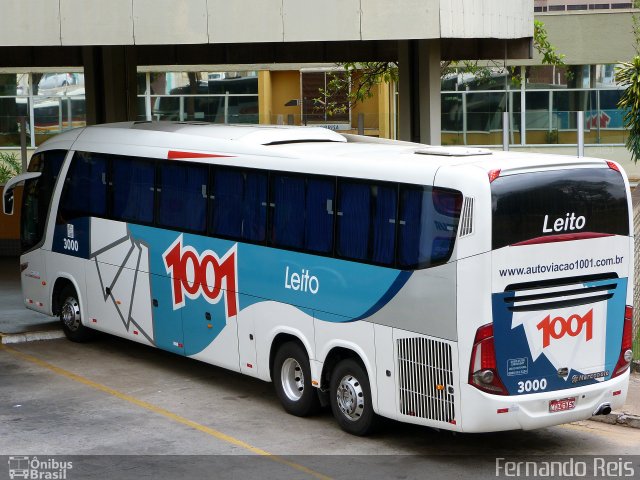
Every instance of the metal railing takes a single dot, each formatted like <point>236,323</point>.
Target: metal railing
<point>537,116</point>
<point>552,6</point>
<point>216,108</point>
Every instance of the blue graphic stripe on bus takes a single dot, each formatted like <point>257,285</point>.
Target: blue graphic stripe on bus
<point>395,287</point>
<point>615,322</point>
<point>533,346</point>
<point>209,274</point>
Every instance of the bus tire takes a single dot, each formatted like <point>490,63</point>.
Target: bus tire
<point>292,380</point>
<point>350,394</point>
<point>70,317</point>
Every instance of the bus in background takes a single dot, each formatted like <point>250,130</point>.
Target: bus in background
<point>454,288</point>
<point>53,115</point>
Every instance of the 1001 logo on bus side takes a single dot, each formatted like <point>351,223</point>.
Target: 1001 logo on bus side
<point>194,275</point>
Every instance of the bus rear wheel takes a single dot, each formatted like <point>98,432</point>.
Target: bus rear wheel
<point>292,380</point>
<point>71,318</point>
<point>350,395</point>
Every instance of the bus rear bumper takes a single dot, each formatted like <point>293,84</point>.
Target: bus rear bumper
<point>491,413</point>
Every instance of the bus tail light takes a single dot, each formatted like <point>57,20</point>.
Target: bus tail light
<point>493,174</point>
<point>626,354</point>
<point>483,373</point>
<point>613,166</point>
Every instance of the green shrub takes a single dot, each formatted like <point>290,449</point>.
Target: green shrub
<point>10,166</point>
<point>628,75</point>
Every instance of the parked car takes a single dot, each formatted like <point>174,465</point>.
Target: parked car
<point>56,82</point>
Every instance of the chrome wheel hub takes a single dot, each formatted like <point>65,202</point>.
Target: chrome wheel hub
<point>292,379</point>
<point>70,314</point>
<point>350,397</point>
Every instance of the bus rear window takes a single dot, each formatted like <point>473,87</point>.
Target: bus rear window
<point>533,205</point>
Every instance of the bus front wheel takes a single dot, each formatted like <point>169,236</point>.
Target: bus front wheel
<point>292,380</point>
<point>350,395</point>
<point>71,318</point>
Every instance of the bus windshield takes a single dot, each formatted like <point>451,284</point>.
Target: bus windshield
<point>37,196</point>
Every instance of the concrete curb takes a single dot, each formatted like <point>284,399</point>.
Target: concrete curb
<point>618,418</point>
<point>6,338</point>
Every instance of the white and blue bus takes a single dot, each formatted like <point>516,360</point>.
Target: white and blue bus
<point>456,288</point>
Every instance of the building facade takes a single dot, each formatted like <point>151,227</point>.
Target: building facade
<point>541,101</point>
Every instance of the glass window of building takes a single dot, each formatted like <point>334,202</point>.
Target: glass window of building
<point>314,101</point>
<point>217,97</point>
<point>546,103</point>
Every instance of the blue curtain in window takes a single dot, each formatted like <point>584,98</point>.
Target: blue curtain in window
<point>289,211</point>
<point>353,224</point>
<point>96,184</point>
<point>384,226</point>
<point>254,220</point>
<point>410,227</point>
<point>226,209</point>
<point>181,201</point>
<point>78,172</point>
<point>87,190</point>
<point>320,204</point>
<point>133,183</point>
<point>52,163</point>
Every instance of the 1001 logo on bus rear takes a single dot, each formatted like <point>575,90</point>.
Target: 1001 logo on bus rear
<point>558,327</point>
<point>205,274</point>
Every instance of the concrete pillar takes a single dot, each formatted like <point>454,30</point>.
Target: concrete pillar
<point>265,99</point>
<point>384,107</point>
<point>405,71</point>
<point>110,84</point>
<point>419,91</point>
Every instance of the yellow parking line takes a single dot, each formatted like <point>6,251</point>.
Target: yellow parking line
<point>161,411</point>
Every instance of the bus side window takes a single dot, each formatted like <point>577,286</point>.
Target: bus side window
<point>320,208</point>
<point>239,204</point>
<point>182,197</point>
<point>133,190</point>
<point>428,225</point>
<point>366,221</point>
<point>254,227</point>
<point>302,212</point>
<point>288,201</point>
<point>354,206</point>
<point>227,192</point>
<point>85,189</point>
<point>384,224</point>
<point>410,227</point>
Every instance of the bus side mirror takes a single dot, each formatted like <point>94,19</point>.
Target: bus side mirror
<point>7,197</point>
<point>7,202</point>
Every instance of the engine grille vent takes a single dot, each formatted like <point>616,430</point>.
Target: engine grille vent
<point>561,292</point>
<point>425,379</point>
<point>466,221</point>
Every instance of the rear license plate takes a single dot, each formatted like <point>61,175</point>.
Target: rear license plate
<point>562,404</point>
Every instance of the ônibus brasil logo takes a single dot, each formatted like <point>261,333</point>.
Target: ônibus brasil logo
<point>203,274</point>
<point>559,327</point>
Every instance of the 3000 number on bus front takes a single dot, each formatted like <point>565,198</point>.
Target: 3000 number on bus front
<point>71,245</point>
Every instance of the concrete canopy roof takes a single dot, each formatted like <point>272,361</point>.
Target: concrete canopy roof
<point>45,32</point>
